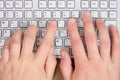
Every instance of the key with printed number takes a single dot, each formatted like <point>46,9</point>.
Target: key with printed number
<point>9,14</point>
<point>28,14</point>
<point>56,14</point>
<point>47,14</point>
<point>18,14</point>
<point>66,14</point>
<point>38,14</point>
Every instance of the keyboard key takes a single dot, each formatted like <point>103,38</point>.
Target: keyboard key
<point>28,14</point>
<point>4,24</point>
<point>2,43</point>
<point>9,14</point>
<point>47,14</point>
<point>108,23</point>
<point>94,14</point>
<point>18,4</point>
<point>67,43</point>
<point>56,14</point>
<point>52,4</point>
<point>38,14</point>
<point>0,34</point>
<point>1,14</point>
<point>81,31</point>
<point>113,4</point>
<point>9,4</point>
<point>18,14</point>
<point>66,14</point>
<point>43,32</point>
<point>103,4</point>
<point>58,42</point>
<point>71,4</point>
<point>14,24</point>
<point>42,4</point>
<point>1,4</point>
<point>61,24</point>
<point>85,4</point>
<point>33,23</point>
<point>57,52</point>
<point>80,23</point>
<point>6,33</point>
<point>42,24</point>
<point>38,41</point>
<point>103,14</point>
<point>28,4</point>
<point>63,33</point>
<point>23,24</point>
<point>75,14</point>
<point>61,4</point>
<point>113,14</point>
<point>94,4</point>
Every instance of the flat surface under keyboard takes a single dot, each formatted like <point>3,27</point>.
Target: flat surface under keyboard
<point>15,14</point>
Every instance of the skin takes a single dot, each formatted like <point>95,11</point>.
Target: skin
<point>93,64</point>
<point>19,62</point>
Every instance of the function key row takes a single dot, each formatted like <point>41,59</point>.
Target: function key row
<point>18,4</point>
<point>94,4</point>
<point>57,4</point>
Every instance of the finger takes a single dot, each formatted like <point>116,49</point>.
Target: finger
<point>15,46</point>
<point>66,65</point>
<point>29,40</point>
<point>50,64</point>
<point>46,44</point>
<point>115,38</point>
<point>90,36</point>
<point>77,45</point>
<point>5,51</point>
<point>104,39</point>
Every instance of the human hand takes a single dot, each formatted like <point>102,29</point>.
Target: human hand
<point>19,62</point>
<point>95,64</point>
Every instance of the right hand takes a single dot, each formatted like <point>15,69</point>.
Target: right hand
<point>93,64</point>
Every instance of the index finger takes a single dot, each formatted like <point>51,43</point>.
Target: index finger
<point>46,44</point>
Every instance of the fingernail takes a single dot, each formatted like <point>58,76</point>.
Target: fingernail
<point>114,28</point>
<point>62,55</point>
<point>86,13</point>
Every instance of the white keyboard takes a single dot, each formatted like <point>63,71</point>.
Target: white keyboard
<point>16,14</point>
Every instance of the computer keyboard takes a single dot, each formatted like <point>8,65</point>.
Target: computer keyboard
<point>15,14</point>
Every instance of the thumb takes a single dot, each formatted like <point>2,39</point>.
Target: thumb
<point>50,64</point>
<point>65,65</point>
